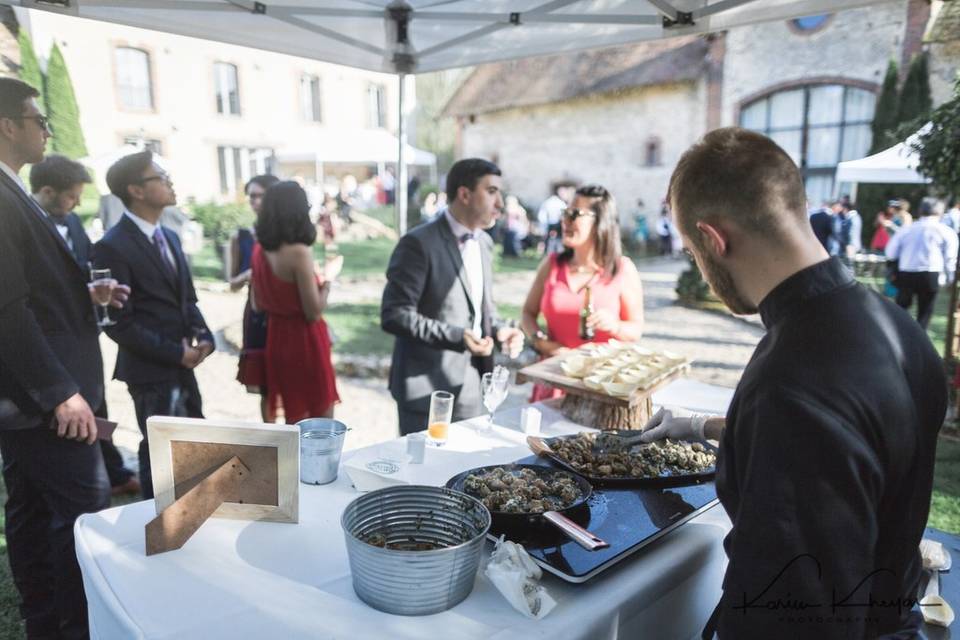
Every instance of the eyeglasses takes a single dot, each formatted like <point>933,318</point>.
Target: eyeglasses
<point>160,176</point>
<point>40,119</point>
<point>572,214</point>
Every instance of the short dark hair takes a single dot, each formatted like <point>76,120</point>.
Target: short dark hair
<point>466,173</point>
<point>264,180</point>
<point>606,226</point>
<point>13,93</point>
<point>285,217</point>
<point>128,171</point>
<point>740,175</point>
<point>931,207</point>
<point>57,172</point>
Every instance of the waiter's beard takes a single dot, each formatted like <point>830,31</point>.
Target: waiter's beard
<point>720,280</point>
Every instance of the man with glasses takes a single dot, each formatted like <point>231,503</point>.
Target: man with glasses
<point>51,375</point>
<point>161,334</point>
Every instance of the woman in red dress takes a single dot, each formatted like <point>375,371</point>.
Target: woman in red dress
<point>592,258</point>
<point>288,286</point>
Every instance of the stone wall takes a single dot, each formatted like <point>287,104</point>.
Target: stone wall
<point>944,68</point>
<point>598,139</point>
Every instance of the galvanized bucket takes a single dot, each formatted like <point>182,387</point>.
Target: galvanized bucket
<point>321,441</point>
<point>414,582</point>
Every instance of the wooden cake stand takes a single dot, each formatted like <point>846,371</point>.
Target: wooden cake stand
<point>598,409</point>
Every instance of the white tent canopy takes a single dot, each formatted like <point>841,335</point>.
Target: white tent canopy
<point>896,165</point>
<point>417,36</point>
<point>356,147</point>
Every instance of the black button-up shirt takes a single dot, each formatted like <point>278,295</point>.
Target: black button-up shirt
<point>826,464</point>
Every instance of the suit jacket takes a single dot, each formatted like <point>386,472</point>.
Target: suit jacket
<point>48,333</point>
<point>426,305</point>
<point>162,309</point>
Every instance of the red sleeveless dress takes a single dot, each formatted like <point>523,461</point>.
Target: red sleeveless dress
<point>299,371</point>
<point>560,306</point>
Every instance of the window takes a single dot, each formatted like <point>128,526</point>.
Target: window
<point>228,88</point>
<point>310,98</point>
<point>133,78</point>
<point>376,106</point>
<point>239,164</point>
<point>651,156</point>
<point>818,126</point>
<point>148,144</point>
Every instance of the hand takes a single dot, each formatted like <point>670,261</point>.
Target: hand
<point>119,295</point>
<point>548,348</point>
<point>603,320</point>
<point>205,347</point>
<point>676,424</point>
<point>191,356</point>
<point>511,340</point>
<point>75,420</point>
<point>477,346</point>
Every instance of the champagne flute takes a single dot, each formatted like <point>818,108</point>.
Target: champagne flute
<point>441,413</point>
<point>493,387</point>
<point>103,285</point>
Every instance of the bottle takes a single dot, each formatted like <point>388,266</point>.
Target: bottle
<point>586,332</point>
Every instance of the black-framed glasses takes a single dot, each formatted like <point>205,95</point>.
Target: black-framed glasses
<point>161,176</point>
<point>572,214</point>
<point>40,119</point>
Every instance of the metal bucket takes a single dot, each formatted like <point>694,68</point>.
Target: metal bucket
<point>321,441</point>
<point>408,582</point>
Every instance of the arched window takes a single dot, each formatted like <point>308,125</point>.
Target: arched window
<point>652,156</point>
<point>818,125</point>
<point>134,88</point>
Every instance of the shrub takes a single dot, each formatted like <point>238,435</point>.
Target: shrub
<point>221,220</point>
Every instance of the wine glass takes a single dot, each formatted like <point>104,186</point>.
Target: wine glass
<point>103,285</point>
<point>493,387</point>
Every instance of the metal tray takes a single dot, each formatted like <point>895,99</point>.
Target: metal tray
<point>666,480</point>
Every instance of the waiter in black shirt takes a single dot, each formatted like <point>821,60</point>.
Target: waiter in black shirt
<point>827,449</point>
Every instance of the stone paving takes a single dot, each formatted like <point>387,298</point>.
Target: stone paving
<point>719,345</point>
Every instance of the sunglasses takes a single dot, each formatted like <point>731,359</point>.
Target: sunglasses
<point>40,119</point>
<point>162,176</point>
<point>570,215</point>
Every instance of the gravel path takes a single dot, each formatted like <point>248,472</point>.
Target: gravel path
<point>719,345</point>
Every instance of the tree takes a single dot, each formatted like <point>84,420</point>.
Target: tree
<point>29,66</point>
<point>62,108</point>
<point>885,114</point>
<point>938,146</point>
<point>915,99</point>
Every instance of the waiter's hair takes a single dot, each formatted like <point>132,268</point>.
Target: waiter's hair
<point>126,172</point>
<point>466,173</point>
<point>738,175</point>
<point>285,217</point>
<point>606,229</point>
<point>57,172</point>
<point>931,207</point>
<point>13,93</point>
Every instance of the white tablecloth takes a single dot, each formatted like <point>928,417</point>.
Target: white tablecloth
<point>237,579</point>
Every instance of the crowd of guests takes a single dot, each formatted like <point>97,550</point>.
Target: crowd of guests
<point>801,404</point>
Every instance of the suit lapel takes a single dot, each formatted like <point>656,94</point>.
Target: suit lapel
<point>175,250</point>
<point>452,245</point>
<point>487,260</point>
<point>148,248</point>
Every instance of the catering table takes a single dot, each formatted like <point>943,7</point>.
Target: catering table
<point>236,579</point>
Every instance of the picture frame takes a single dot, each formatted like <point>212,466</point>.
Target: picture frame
<point>183,451</point>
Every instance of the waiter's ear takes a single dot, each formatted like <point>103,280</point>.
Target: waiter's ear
<point>714,237</point>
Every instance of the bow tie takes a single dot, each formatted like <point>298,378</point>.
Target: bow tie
<point>467,236</point>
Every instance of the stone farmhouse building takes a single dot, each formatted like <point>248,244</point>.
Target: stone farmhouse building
<point>622,116</point>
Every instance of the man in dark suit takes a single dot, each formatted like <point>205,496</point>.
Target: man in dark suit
<point>57,185</point>
<point>50,375</point>
<point>161,333</point>
<point>438,301</point>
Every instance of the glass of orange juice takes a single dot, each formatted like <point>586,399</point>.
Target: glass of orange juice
<point>438,421</point>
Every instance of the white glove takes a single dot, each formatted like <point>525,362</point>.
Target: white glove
<point>675,423</point>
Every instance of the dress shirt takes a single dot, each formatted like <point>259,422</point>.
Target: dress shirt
<point>148,230</point>
<point>927,245</point>
<point>469,245</point>
<point>63,230</point>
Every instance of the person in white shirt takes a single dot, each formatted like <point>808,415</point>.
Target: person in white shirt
<point>550,213</point>
<point>927,258</point>
<point>952,217</point>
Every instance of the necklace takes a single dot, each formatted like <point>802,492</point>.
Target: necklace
<point>584,269</point>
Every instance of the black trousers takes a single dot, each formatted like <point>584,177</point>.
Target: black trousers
<point>112,460</point>
<point>181,399</point>
<point>50,482</point>
<point>922,284</point>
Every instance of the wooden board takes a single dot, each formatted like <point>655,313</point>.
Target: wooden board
<point>549,372</point>
<point>271,451</point>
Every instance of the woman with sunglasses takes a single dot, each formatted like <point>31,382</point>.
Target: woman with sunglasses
<point>592,259</point>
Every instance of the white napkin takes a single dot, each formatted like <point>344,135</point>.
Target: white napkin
<point>369,469</point>
<point>517,577</point>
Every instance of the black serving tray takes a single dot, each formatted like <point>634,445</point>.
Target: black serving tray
<point>627,517</point>
<point>668,479</point>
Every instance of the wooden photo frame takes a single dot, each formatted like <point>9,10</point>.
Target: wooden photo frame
<point>184,451</point>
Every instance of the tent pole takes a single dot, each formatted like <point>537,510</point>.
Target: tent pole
<point>400,189</point>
